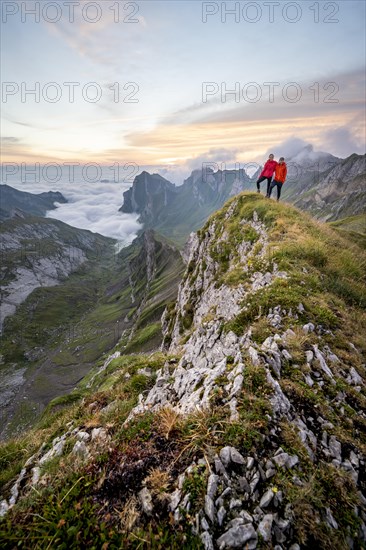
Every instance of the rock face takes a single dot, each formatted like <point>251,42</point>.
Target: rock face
<point>15,203</point>
<point>176,211</point>
<point>39,253</point>
<point>148,196</point>
<point>335,192</point>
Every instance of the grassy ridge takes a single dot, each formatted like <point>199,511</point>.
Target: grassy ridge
<point>95,503</point>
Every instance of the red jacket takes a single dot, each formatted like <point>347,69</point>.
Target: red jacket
<point>281,172</point>
<point>268,169</point>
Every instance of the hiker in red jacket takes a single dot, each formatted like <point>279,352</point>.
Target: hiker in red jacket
<point>279,178</point>
<point>267,173</point>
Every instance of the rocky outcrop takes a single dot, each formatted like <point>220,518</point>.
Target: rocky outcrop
<point>148,196</point>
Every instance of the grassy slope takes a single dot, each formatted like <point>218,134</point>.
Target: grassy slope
<point>353,227</point>
<point>327,275</point>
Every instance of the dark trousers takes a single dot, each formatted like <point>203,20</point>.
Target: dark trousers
<point>277,184</point>
<point>262,178</point>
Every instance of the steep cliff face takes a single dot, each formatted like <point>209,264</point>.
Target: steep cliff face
<point>247,430</point>
<point>176,211</point>
<point>148,196</point>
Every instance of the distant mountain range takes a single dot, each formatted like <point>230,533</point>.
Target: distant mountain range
<point>328,187</point>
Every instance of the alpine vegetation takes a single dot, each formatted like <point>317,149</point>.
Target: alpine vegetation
<point>244,427</point>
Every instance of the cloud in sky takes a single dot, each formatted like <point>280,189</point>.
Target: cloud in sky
<point>341,141</point>
<point>217,155</point>
<point>9,139</point>
<point>100,40</point>
<point>288,148</point>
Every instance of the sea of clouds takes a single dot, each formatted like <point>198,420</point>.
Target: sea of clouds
<point>91,205</point>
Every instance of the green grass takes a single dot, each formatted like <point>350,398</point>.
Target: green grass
<point>352,223</point>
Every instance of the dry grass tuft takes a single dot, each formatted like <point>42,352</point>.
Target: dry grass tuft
<point>158,482</point>
<point>93,422</point>
<point>129,514</point>
<point>201,431</point>
<point>297,344</point>
<point>170,421</point>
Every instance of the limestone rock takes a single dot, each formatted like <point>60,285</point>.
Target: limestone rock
<point>265,527</point>
<point>236,537</point>
<point>146,501</point>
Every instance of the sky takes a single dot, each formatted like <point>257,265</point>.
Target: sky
<point>167,85</point>
<point>152,79</point>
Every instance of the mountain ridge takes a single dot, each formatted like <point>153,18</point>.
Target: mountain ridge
<point>246,429</point>
<point>15,203</point>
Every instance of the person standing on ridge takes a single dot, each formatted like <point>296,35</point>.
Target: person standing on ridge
<point>267,173</point>
<point>279,178</point>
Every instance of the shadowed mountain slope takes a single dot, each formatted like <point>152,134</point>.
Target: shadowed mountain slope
<point>15,203</point>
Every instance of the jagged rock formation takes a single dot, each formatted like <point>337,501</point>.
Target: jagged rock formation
<point>148,196</point>
<point>15,203</point>
<point>249,431</point>
<point>176,211</point>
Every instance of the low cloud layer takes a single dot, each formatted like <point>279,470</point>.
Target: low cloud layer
<point>92,206</point>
